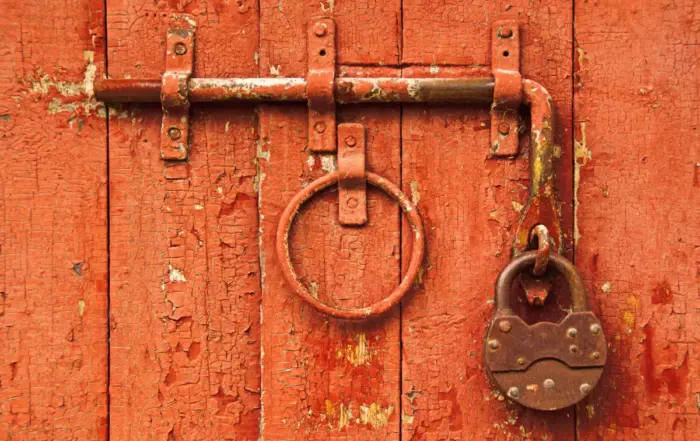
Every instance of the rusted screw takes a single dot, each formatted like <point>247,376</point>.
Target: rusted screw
<point>514,393</point>
<point>494,344</point>
<point>572,332</point>
<point>585,388</point>
<point>548,383</point>
<point>320,127</point>
<point>174,133</point>
<point>595,328</point>
<point>521,361</point>
<point>573,349</point>
<point>319,29</point>
<point>503,128</point>
<point>505,326</point>
<point>595,355</point>
<point>180,49</point>
<point>505,32</point>
<point>350,141</point>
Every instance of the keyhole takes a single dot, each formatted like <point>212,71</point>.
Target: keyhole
<point>506,53</point>
<point>322,52</point>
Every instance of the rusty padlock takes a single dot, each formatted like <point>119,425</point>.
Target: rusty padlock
<point>544,366</point>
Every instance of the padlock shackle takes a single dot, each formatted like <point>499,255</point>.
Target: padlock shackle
<point>527,260</point>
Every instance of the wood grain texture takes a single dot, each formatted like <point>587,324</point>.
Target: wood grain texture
<point>328,379</point>
<point>638,215</point>
<point>185,297</point>
<point>53,223</point>
<point>470,206</point>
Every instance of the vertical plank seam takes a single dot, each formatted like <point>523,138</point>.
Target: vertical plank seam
<point>574,202</point>
<point>401,216</point>
<point>261,262</point>
<point>108,420</point>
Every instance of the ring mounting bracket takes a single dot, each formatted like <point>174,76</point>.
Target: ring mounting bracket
<point>174,96</point>
<point>352,177</point>
<point>508,91</point>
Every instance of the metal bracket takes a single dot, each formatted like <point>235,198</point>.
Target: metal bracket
<point>320,85</point>
<point>508,91</point>
<point>179,58</point>
<point>352,176</point>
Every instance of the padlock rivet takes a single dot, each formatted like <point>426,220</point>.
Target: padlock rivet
<point>521,361</point>
<point>180,48</point>
<point>572,332</point>
<point>505,326</point>
<point>573,349</point>
<point>352,203</point>
<point>548,383</point>
<point>494,344</point>
<point>514,392</point>
<point>174,133</point>
<point>503,128</point>
<point>350,141</point>
<point>585,388</point>
<point>595,355</point>
<point>595,328</point>
<point>320,127</point>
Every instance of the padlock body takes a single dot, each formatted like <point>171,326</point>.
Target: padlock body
<point>545,366</point>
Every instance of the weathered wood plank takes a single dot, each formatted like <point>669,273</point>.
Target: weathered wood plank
<point>53,226</point>
<point>325,378</point>
<point>638,215</point>
<point>328,379</point>
<point>470,205</point>
<point>185,297</point>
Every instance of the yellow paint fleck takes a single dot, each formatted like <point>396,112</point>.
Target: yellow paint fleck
<point>81,307</point>
<point>356,355</point>
<point>628,318</point>
<point>518,207</point>
<point>581,157</point>
<point>375,415</point>
<point>607,286</point>
<point>415,193</point>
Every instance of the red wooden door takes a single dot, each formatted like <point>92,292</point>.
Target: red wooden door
<point>140,300</point>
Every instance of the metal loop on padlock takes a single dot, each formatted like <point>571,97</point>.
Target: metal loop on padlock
<point>540,235</point>
<point>526,261</point>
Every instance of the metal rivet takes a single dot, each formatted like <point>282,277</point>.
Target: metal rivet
<point>595,355</point>
<point>585,388</point>
<point>573,349</point>
<point>595,328</point>
<point>572,332</point>
<point>350,141</point>
<point>320,29</point>
<point>180,48</point>
<point>505,326</point>
<point>352,203</point>
<point>514,392</point>
<point>521,361</point>
<point>174,133</point>
<point>320,127</point>
<point>548,383</point>
<point>505,32</point>
<point>494,344</point>
<point>503,128</point>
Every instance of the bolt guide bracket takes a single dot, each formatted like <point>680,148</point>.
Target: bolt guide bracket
<point>516,354</point>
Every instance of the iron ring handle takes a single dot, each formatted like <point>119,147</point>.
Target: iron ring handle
<point>380,307</point>
<point>526,260</point>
